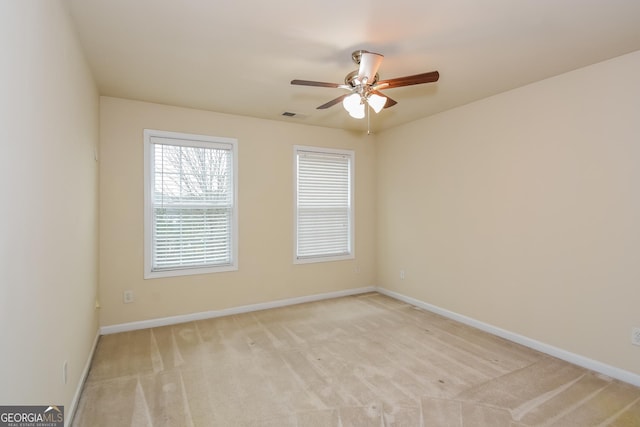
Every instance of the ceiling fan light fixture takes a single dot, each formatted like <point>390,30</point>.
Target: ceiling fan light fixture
<point>354,105</point>
<point>377,102</point>
<point>351,101</point>
<point>357,112</point>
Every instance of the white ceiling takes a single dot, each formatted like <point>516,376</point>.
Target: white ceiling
<point>239,57</point>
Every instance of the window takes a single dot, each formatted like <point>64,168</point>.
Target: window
<point>323,204</point>
<point>190,204</point>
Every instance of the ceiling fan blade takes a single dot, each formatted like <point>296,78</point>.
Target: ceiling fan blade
<point>390,102</point>
<point>333,102</point>
<point>312,83</point>
<point>417,79</point>
<point>369,64</point>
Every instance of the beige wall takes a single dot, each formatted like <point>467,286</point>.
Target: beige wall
<point>266,270</point>
<point>48,221</point>
<point>519,210</point>
<point>522,211</point>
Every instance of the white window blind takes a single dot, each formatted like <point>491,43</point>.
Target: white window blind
<point>324,217</point>
<point>191,205</point>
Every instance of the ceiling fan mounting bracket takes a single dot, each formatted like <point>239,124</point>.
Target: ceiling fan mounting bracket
<point>357,55</point>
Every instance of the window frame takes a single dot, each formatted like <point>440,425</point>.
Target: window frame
<point>297,149</point>
<point>187,140</point>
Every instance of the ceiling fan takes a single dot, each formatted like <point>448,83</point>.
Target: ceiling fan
<point>364,85</point>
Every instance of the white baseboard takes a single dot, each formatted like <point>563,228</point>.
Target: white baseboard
<point>165,321</point>
<point>76,397</point>
<point>576,359</point>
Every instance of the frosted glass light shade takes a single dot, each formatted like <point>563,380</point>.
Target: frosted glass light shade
<point>351,101</point>
<point>358,112</point>
<point>353,104</point>
<point>377,102</point>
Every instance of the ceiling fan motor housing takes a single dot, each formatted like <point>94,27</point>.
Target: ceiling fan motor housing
<point>351,79</point>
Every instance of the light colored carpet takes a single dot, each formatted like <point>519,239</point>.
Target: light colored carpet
<point>366,360</point>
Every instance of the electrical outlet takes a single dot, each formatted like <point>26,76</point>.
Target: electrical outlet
<point>127,297</point>
<point>65,369</point>
<point>401,274</point>
<point>635,336</point>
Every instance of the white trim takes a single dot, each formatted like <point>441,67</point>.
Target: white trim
<point>165,321</point>
<point>351,154</point>
<point>151,137</point>
<point>85,372</point>
<point>576,359</point>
